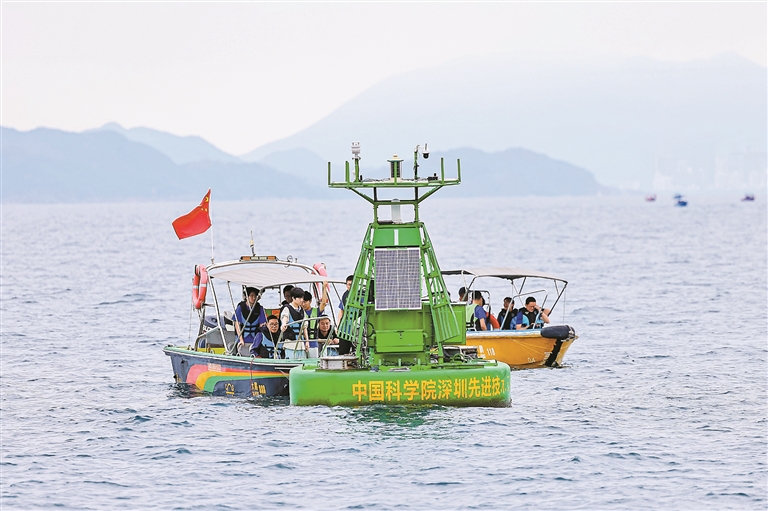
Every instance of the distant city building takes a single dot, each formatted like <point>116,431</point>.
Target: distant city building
<point>741,170</point>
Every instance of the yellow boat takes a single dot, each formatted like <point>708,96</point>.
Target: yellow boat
<point>535,344</point>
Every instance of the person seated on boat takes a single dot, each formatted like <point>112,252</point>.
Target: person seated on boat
<point>249,317</point>
<point>507,314</point>
<point>267,339</point>
<point>344,297</point>
<point>462,294</point>
<point>326,335</point>
<point>287,295</point>
<point>476,315</point>
<point>531,316</point>
<point>313,312</point>
<point>293,327</point>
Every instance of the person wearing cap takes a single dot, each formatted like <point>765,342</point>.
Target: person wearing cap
<point>249,318</point>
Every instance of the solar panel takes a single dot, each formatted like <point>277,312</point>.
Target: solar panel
<point>398,278</point>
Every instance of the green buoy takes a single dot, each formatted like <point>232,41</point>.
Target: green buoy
<point>398,315</point>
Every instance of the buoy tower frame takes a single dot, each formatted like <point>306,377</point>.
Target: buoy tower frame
<point>399,312</point>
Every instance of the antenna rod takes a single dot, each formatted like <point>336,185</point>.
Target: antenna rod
<point>416,163</point>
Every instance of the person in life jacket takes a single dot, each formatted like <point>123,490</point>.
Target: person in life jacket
<point>326,333</point>
<point>313,312</point>
<point>476,316</point>
<point>345,347</point>
<point>344,297</point>
<point>287,295</point>
<point>531,316</point>
<point>249,317</point>
<point>267,339</point>
<point>294,330</point>
<point>508,314</point>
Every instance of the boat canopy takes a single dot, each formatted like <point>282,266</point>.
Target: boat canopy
<point>503,273</point>
<point>264,274</point>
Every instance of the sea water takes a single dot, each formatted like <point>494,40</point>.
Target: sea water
<point>662,403</point>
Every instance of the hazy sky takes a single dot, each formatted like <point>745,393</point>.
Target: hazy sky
<point>244,74</point>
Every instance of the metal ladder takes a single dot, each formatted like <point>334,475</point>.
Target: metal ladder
<point>352,324</point>
<point>443,319</point>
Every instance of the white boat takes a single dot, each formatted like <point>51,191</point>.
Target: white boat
<point>212,362</point>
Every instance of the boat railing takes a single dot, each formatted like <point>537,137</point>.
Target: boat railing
<point>304,321</point>
<point>531,293</point>
<point>205,334</point>
<point>230,348</point>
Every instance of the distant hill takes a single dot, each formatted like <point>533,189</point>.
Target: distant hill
<point>179,149</point>
<point>299,162</point>
<point>514,172</point>
<point>45,165</point>
<point>615,117</point>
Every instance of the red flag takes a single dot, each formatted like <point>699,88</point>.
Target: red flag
<point>196,221</point>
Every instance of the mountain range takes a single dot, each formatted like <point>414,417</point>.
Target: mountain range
<point>616,117</point>
<point>520,126</point>
<point>179,149</point>
<point>46,165</point>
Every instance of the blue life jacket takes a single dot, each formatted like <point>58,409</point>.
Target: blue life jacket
<point>295,326</point>
<point>251,317</point>
<point>529,319</point>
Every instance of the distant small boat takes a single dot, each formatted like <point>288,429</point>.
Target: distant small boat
<point>748,198</point>
<point>681,202</point>
<point>650,198</point>
<point>677,196</point>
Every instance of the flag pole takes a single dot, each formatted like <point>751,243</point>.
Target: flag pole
<point>209,216</point>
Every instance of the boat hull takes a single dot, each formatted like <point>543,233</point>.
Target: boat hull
<point>484,384</point>
<point>520,349</point>
<point>230,375</point>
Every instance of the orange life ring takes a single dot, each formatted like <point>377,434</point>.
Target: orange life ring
<point>199,286</point>
<point>494,322</point>
<point>320,270</point>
